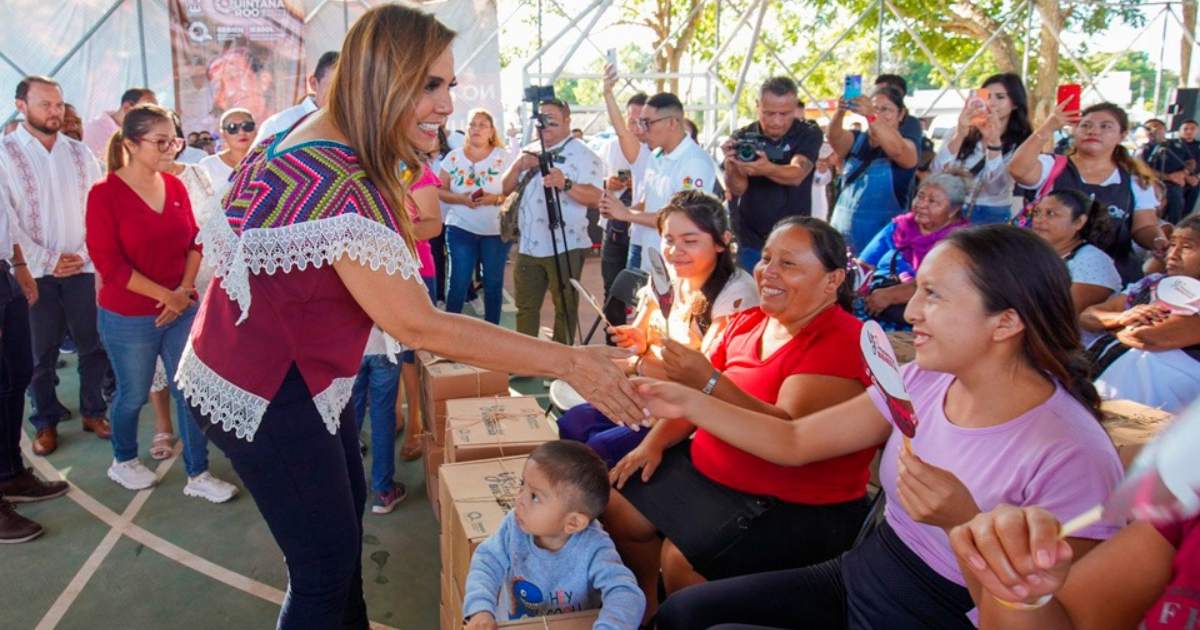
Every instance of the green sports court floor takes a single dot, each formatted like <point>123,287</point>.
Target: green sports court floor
<point>155,559</point>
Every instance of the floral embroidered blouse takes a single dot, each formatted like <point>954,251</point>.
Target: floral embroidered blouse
<point>467,177</point>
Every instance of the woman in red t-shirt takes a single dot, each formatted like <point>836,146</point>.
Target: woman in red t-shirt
<point>1146,576</point>
<point>722,511</point>
<point>141,235</point>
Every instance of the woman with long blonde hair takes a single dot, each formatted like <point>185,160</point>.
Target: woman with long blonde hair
<point>315,245</point>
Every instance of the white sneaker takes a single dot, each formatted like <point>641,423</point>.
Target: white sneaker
<point>210,488</point>
<point>132,474</point>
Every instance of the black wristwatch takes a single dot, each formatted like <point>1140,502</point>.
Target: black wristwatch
<point>568,185</point>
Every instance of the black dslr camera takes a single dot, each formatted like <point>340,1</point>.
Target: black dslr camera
<point>747,145</point>
<point>539,93</point>
<point>536,95</point>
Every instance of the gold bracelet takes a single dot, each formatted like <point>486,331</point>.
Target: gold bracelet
<point>1040,602</point>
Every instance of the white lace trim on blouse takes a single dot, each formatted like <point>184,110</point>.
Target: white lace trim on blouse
<point>222,402</point>
<point>297,246</point>
<point>240,411</point>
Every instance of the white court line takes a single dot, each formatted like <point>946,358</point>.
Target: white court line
<point>63,603</point>
<point>123,525</point>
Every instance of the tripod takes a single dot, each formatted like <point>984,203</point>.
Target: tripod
<point>554,220</point>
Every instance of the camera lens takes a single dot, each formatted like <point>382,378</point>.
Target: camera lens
<point>746,152</point>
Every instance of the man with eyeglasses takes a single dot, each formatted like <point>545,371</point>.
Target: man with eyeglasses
<point>44,178</point>
<point>678,164</point>
<point>577,174</point>
<point>765,190</point>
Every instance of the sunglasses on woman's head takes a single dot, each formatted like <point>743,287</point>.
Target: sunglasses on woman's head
<point>246,126</point>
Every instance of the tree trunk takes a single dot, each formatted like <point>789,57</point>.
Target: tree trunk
<point>968,19</point>
<point>1046,88</point>
<point>669,58</point>
<point>1185,44</point>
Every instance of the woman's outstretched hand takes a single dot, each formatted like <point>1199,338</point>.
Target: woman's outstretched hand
<point>597,378</point>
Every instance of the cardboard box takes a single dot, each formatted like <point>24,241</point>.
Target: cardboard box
<point>434,456</point>
<point>475,497</point>
<point>1129,423</point>
<point>442,380</point>
<point>451,607</point>
<point>902,343</point>
<point>570,621</point>
<point>486,428</point>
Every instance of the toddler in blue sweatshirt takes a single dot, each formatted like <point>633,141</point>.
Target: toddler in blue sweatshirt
<point>550,556</point>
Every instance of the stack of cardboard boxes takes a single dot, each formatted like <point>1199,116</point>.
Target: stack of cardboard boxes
<point>475,452</point>
<point>475,497</point>
<point>443,380</point>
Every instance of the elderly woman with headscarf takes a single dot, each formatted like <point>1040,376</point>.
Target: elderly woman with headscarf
<point>897,250</point>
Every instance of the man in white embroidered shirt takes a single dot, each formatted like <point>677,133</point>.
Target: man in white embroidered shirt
<point>678,164</point>
<point>318,86</point>
<point>45,177</point>
<point>577,174</point>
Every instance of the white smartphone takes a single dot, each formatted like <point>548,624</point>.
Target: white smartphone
<point>612,58</point>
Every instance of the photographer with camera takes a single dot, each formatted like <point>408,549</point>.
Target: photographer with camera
<point>678,164</point>
<point>576,173</point>
<point>768,168</point>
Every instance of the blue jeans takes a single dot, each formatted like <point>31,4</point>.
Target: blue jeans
<point>466,250</point>
<point>635,257</point>
<point>379,382</point>
<point>133,344</point>
<point>748,258</point>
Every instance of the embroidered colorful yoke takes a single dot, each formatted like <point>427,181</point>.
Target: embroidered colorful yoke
<point>276,299</point>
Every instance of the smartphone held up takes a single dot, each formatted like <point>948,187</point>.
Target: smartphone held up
<point>1070,95</point>
<point>977,104</point>
<point>852,88</point>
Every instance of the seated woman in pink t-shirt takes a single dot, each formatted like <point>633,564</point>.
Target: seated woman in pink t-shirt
<point>1005,412</point>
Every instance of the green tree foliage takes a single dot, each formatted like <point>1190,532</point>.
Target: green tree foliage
<point>926,41</point>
